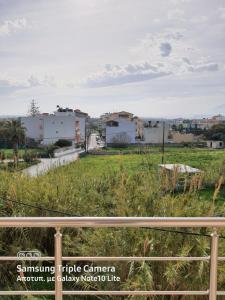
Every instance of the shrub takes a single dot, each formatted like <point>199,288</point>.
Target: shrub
<point>51,150</point>
<point>29,157</point>
<point>63,143</point>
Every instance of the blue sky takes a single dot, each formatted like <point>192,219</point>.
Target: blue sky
<point>158,58</point>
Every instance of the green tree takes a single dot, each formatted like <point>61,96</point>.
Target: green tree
<point>216,133</point>
<point>33,109</point>
<point>15,134</point>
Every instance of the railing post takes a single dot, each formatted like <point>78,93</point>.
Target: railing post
<point>213,265</point>
<point>58,264</point>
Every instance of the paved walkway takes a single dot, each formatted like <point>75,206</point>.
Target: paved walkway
<point>48,163</point>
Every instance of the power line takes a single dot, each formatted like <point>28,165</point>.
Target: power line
<point>40,208</point>
<point>179,231</point>
<point>149,228</point>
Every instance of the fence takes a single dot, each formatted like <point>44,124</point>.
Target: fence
<point>136,222</point>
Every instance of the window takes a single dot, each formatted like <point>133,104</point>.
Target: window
<point>112,124</point>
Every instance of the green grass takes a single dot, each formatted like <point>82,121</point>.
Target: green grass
<point>118,185</point>
<point>9,152</point>
<point>198,158</point>
<point>21,165</point>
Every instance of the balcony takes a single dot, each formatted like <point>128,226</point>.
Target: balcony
<point>215,224</point>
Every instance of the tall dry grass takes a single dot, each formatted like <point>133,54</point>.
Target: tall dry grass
<point>79,189</point>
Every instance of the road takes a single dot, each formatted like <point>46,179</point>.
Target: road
<point>48,163</point>
<point>92,143</point>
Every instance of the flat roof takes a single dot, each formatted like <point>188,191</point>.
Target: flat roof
<point>180,168</point>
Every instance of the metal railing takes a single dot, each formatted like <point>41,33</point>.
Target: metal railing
<point>136,222</point>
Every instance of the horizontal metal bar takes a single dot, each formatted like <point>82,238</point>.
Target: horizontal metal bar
<point>129,258</point>
<point>25,293</point>
<point>111,258</point>
<point>111,222</point>
<point>98,293</point>
<point>16,258</point>
<point>135,293</point>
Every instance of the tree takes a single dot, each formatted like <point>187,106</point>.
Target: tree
<point>216,133</point>
<point>15,134</point>
<point>34,108</point>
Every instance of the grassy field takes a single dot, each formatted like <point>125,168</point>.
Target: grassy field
<point>9,152</point>
<point>119,185</point>
<point>21,165</point>
<point>199,158</point>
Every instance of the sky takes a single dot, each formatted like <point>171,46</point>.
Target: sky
<point>154,58</point>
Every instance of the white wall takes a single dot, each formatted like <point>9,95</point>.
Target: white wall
<point>125,126</point>
<point>58,127</point>
<point>154,135</point>
<point>34,127</point>
<point>51,128</point>
<point>215,144</point>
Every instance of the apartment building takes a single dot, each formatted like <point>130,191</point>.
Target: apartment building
<point>120,128</point>
<point>66,124</point>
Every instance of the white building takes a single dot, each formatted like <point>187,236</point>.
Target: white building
<point>153,133</point>
<point>65,124</point>
<point>121,129</point>
<point>216,144</point>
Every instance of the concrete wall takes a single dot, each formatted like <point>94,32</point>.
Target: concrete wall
<point>51,128</point>
<point>183,137</point>
<point>34,127</point>
<point>82,128</point>
<point>215,144</point>
<point>125,127</point>
<point>58,127</point>
<point>155,135</point>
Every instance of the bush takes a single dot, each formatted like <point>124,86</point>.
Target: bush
<point>29,157</point>
<point>51,150</point>
<point>63,143</point>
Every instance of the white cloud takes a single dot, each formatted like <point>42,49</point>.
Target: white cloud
<point>45,81</point>
<point>9,85</point>
<point>175,14</point>
<point>199,19</point>
<point>179,1</point>
<point>40,45</point>
<point>131,73</point>
<point>221,11</point>
<point>117,75</point>
<point>11,26</point>
<point>211,67</point>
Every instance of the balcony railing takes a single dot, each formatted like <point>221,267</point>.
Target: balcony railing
<point>96,222</point>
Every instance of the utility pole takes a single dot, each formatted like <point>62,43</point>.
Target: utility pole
<point>163,143</point>
<point>86,137</point>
